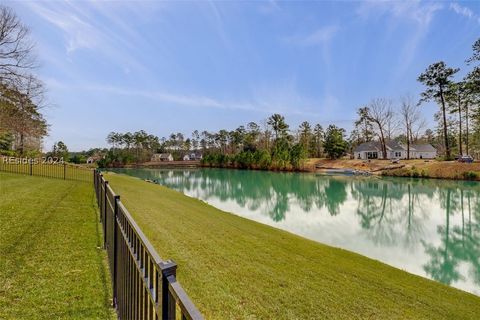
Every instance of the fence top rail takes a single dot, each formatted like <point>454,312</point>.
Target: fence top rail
<point>186,305</point>
<point>109,189</point>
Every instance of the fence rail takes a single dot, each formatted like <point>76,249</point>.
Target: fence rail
<point>144,285</point>
<point>60,171</point>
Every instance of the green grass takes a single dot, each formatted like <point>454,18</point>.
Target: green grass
<point>51,262</point>
<point>234,268</point>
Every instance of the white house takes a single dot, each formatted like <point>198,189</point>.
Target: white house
<point>157,157</point>
<point>186,157</point>
<point>395,150</point>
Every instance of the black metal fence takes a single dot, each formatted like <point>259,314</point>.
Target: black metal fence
<point>144,286</point>
<point>51,170</point>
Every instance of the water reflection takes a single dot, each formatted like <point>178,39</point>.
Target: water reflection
<point>427,227</point>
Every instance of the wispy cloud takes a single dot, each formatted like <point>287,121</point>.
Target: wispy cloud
<point>289,103</point>
<point>318,37</point>
<point>417,14</point>
<point>415,11</point>
<point>464,11</point>
<point>81,29</point>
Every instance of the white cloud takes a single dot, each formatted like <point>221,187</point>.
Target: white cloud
<point>289,103</point>
<point>319,37</point>
<point>464,11</point>
<point>82,28</point>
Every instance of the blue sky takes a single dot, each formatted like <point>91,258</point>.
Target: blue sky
<point>179,66</point>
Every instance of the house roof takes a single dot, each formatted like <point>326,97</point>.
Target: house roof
<point>424,148</point>
<point>369,146</point>
<point>394,146</point>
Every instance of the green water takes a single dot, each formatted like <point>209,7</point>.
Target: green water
<point>427,227</point>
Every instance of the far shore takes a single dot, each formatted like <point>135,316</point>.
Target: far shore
<point>416,168</point>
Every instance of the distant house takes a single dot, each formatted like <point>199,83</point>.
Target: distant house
<point>93,159</point>
<point>395,150</point>
<point>160,157</point>
<point>196,156</point>
<point>186,157</point>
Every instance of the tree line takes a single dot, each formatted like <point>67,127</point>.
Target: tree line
<point>271,146</point>
<point>22,94</point>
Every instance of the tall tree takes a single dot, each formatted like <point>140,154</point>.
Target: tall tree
<point>410,115</point>
<point>456,97</point>
<point>278,125</point>
<point>319,137</point>
<point>437,78</point>
<point>472,101</point>
<point>364,125</point>
<point>305,132</point>
<point>335,144</point>
<point>379,112</point>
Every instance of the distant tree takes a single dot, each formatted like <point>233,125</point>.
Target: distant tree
<point>363,125</point>
<point>128,140</point>
<point>410,115</point>
<point>305,135</point>
<point>379,112</point>
<point>472,102</point>
<point>318,137</point>
<point>252,136</point>
<point>195,140</point>
<point>278,125</point>
<point>114,139</point>
<point>60,150</point>
<point>429,136</point>
<point>456,98</point>
<point>335,144</point>
<point>437,78</point>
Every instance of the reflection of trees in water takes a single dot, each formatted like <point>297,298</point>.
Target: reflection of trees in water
<point>271,191</point>
<point>392,212</point>
<point>459,243</point>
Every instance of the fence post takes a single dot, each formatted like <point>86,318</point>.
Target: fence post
<point>115,254</point>
<point>169,272</point>
<point>31,167</point>
<point>105,215</point>
<point>64,171</point>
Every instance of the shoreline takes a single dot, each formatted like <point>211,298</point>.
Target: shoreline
<point>426,169</point>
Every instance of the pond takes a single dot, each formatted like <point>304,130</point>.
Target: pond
<point>427,227</point>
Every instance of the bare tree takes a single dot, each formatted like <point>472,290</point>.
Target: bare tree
<point>411,120</point>
<point>16,49</point>
<point>380,114</point>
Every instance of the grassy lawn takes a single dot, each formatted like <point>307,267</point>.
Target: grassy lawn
<point>234,268</point>
<point>51,264</point>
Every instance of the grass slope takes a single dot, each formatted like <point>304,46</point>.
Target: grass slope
<point>234,268</point>
<point>51,266</point>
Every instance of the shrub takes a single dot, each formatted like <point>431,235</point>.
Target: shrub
<point>470,175</point>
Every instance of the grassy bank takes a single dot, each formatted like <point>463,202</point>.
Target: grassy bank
<point>409,168</point>
<point>51,264</point>
<point>234,268</point>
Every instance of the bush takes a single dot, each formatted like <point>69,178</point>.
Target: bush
<point>414,173</point>
<point>470,175</point>
<point>262,159</point>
